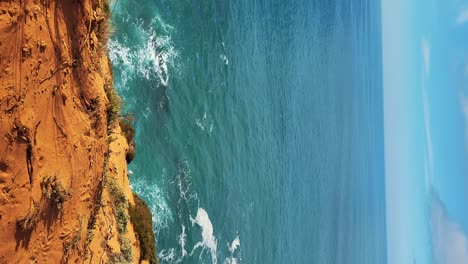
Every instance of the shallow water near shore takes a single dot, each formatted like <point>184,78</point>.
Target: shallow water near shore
<point>259,127</point>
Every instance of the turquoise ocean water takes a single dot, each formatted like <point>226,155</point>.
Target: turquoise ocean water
<point>259,127</point>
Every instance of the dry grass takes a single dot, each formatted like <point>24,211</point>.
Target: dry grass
<point>30,220</point>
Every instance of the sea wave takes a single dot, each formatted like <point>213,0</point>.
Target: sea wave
<point>161,212</point>
<point>143,53</point>
<point>208,239</point>
<point>151,57</point>
<point>182,241</point>
<point>168,256</point>
<point>232,248</point>
<point>234,245</point>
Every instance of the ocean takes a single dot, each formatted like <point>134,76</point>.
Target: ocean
<point>259,127</point>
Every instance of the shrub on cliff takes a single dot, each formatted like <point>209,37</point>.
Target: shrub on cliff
<point>54,191</point>
<point>101,25</point>
<point>125,256</point>
<point>126,248</point>
<point>106,7</point>
<point>126,125</point>
<point>140,216</point>
<point>114,104</point>
<point>120,203</point>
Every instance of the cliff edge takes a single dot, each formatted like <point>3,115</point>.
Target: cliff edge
<point>65,195</point>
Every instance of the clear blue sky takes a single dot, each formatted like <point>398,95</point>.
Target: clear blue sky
<point>425,57</point>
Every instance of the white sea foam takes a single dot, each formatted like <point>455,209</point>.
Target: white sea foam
<point>120,52</point>
<point>235,244</point>
<point>168,256</point>
<point>224,58</point>
<point>160,210</point>
<point>155,57</point>
<point>121,56</point>
<point>199,124</point>
<point>182,241</point>
<point>208,240</point>
<point>171,255</point>
<point>204,123</point>
<point>152,58</point>
<point>230,260</point>
<point>233,247</point>
<point>147,112</point>
<point>182,191</point>
<point>183,179</point>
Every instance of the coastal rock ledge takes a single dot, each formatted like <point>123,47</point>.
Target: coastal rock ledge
<point>65,194</point>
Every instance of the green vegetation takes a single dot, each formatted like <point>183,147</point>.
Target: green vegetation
<point>71,243</point>
<point>120,202</point>
<point>77,237</point>
<point>126,248</point>
<point>114,105</point>
<point>101,25</point>
<point>89,237</point>
<point>118,259</point>
<point>126,125</point>
<point>54,191</point>
<point>54,194</point>
<point>106,7</point>
<point>125,256</point>
<point>140,216</point>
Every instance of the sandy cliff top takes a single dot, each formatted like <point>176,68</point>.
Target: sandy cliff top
<point>63,176</point>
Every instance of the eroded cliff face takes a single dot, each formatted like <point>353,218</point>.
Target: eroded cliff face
<point>63,176</point>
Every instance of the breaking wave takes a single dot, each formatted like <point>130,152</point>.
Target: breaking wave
<point>150,57</point>
<point>208,240</point>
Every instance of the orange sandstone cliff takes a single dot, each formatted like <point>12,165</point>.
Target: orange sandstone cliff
<point>65,195</point>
